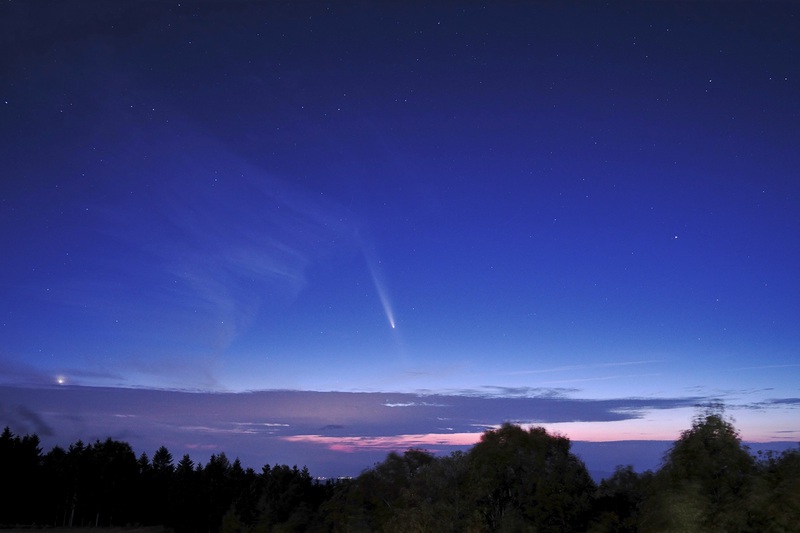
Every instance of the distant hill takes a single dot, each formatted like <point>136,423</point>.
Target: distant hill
<point>602,458</point>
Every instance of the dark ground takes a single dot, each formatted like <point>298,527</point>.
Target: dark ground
<point>153,529</point>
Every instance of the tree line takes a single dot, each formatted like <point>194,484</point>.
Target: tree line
<point>513,479</point>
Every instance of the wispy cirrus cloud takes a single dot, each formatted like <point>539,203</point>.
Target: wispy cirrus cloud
<point>767,367</point>
<point>599,378</point>
<point>572,368</point>
<point>198,246</point>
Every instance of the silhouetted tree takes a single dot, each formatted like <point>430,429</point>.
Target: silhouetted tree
<point>115,472</point>
<point>705,482</point>
<point>619,499</point>
<point>288,497</point>
<point>143,491</point>
<point>21,470</point>
<point>246,489</point>
<point>218,495</point>
<point>186,512</point>
<point>529,479</point>
<point>374,499</point>
<point>437,499</point>
<point>162,462</point>
<point>512,480</point>
<point>58,486</point>
<point>80,498</point>
<point>776,503</point>
<point>161,486</point>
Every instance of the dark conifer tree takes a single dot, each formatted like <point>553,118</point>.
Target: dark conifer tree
<point>161,486</point>
<point>21,470</point>
<point>186,512</point>
<point>114,475</point>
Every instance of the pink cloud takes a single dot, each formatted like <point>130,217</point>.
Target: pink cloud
<point>391,442</point>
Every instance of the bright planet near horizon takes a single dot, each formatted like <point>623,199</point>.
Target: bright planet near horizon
<point>582,215</point>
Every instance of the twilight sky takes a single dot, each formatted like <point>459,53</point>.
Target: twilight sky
<point>281,230</point>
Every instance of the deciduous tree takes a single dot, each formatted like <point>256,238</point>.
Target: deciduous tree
<point>529,477</point>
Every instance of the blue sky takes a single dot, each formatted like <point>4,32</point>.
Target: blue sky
<point>586,209</point>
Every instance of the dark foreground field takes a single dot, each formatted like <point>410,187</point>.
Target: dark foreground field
<point>153,529</point>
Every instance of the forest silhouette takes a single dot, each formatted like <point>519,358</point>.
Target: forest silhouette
<point>514,479</point>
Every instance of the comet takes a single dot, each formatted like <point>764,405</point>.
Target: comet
<point>380,286</point>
